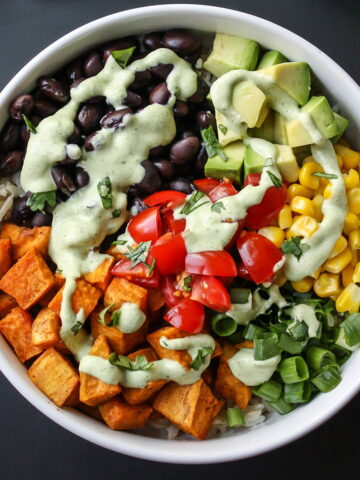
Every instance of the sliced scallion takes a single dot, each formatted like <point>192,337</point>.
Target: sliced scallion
<point>328,378</point>
<point>317,357</point>
<point>269,391</point>
<point>290,345</point>
<point>351,326</point>
<point>266,346</point>
<point>223,325</point>
<point>240,295</point>
<point>342,354</point>
<point>251,331</point>
<point>293,370</point>
<point>297,392</point>
<point>281,406</point>
<point>236,337</point>
<point>235,417</point>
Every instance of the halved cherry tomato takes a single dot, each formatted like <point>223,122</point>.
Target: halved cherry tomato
<point>138,274</point>
<point>146,225</point>
<point>187,315</point>
<point>252,179</point>
<point>211,292</point>
<point>224,189</point>
<point>169,252</point>
<point>205,185</point>
<point>175,226</point>
<point>218,263</point>
<point>242,272</point>
<point>168,290</point>
<point>259,256</point>
<point>165,198</point>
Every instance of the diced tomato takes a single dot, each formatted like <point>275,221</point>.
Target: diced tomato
<point>205,185</point>
<point>139,273</point>
<point>168,290</point>
<point>218,263</point>
<point>174,226</point>
<point>169,252</point>
<point>165,198</point>
<point>211,292</point>
<point>252,179</point>
<point>187,315</point>
<point>259,256</point>
<point>242,272</point>
<point>146,225</point>
<point>224,189</point>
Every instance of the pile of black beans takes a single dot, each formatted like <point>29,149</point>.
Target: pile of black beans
<point>173,166</point>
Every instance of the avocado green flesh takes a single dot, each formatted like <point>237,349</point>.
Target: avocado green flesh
<point>320,111</point>
<point>270,58</point>
<point>253,162</point>
<point>342,125</point>
<point>216,167</point>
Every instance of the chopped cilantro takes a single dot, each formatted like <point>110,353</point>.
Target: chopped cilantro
<point>325,175</point>
<point>200,358</point>
<point>212,144</point>
<point>30,126</point>
<point>37,200</point>
<point>140,362</point>
<point>104,189</point>
<point>275,180</point>
<point>122,57</point>
<point>192,203</point>
<point>217,207</point>
<point>295,247</point>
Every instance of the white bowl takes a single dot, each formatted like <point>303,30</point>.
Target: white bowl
<point>277,430</point>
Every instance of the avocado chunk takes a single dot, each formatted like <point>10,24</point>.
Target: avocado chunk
<point>249,101</point>
<point>230,53</point>
<point>320,112</point>
<point>270,58</point>
<point>292,77</point>
<point>297,135</point>
<point>266,130</point>
<point>287,164</point>
<point>253,162</point>
<point>225,134</point>
<point>342,124</point>
<point>216,167</point>
<point>280,135</point>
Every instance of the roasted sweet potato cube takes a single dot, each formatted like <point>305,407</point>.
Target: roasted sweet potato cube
<point>121,343</point>
<point>5,256</point>
<point>7,303</point>
<point>46,330</point>
<point>28,280</point>
<point>16,328</point>
<point>85,296</point>
<point>121,290</point>
<point>119,415</point>
<point>136,396</point>
<point>92,390</point>
<point>90,411</point>
<point>101,276</point>
<point>113,251</point>
<point>54,375</point>
<point>156,299</point>
<point>25,239</point>
<point>192,408</point>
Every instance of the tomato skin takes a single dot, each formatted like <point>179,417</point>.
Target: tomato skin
<point>211,292</point>
<point>259,256</point>
<point>146,225</point>
<point>252,179</point>
<point>139,274</point>
<point>169,252</point>
<point>205,185</point>
<point>224,189</point>
<point>174,226</point>
<point>242,272</point>
<point>218,263</point>
<point>165,198</point>
<point>187,315</point>
<point>168,290</point>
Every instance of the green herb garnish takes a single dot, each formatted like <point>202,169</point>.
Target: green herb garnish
<point>325,175</point>
<point>114,319</point>
<point>200,358</point>
<point>191,204</point>
<point>187,283</point>
<point>105,189</point>
<point>122,57</point>
<point>116,213</point>
<point>118,242</point>
<point>37,200</point>
<point>212,144</point>
<point>30,126</point>
<point>152,268</point>
<point>140,362</point>
<point>295,247</point>
<point>222,128</point>
<point>139,254</point>
<point>275,180</point>
<point>76,327</point>
<point>268,162</point>
<point>217,207</point>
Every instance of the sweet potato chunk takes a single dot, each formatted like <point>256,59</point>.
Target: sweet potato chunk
<point>92,390</point>
<point>28,280</point>
<point>192,408</point>
<point>16,328</point>
<point>136,396</point>
<point>156,299</point>
<point>121,290</point>
<point>46,331</point>
<point>7,303</point>
<point>121,343</point>
<point>101,276</point>
<point>5,256</point>
<point>119,415</point>
<point>54,375</point>
<point>25,239</point>
<point>85,296</point>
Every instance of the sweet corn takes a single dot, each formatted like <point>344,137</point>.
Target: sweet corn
<point>317,202</point>
<point>296,190</point>
<point>351,178</point>
<point>327,284</point>
<point>334,297</point>
<point>280,278</point>
<point>340,160</point>
<point>354,257</point>
<point>350,157</point>
<point>354,239</point>
<point>302,205</point>
<point>327,191</point>
<point>356,274</point>
<point>340,245</point>
<point>349,299</point>
<point>285,217</point>
<point>274,234</point>
<point>308,159</point>
<point>353,196</point>
<point>303,285</point>
<point>346,275</point>
<point>317,272</point>
<point>338,263</point>
<point>303,226</point>
<point>306,177</point>
<point>323,183</point>
<point>351,223</point>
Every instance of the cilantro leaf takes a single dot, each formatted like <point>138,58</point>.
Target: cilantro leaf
<point>217,207</point>
<point>295,247</point>
<point>325,175</point>
<point>222,128</point>
<point>29,125</point>
<point>187,283</point>
<point>200,358</point>
<point>76,327</point>
<point>140,362</point>
<point>139,254</point>
<point>212,144</point>
<point>275,180</point>
<point>104,188</point>
<point>192,203</point>
<point>116,213</point>
<point>122,57</point>
<point>37,200</point>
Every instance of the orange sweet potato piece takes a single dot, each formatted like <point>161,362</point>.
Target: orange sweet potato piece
<point>46,331</point>
<point>119,415</point>
<point>192,408</point>
<point>5,255</point>
<point>101,276</point>
<point>25,239</point>
<point>85,296</point>
<point>92,390</point>
<point>28,280</point>
<point>136,396</point>
<point>90,411</point>
<point>121,290</point>
<point>54,375</point>
<point>16,328</point>
<point>156,299</point>
<point>7,303</point>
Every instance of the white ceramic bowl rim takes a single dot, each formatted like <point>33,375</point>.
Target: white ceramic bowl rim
<point>283,429</point>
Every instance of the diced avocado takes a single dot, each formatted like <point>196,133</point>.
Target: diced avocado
<point>270,58</point>
<point>225,134</point>
<point>253,162</point>
<point>292,77</point>
<point>230,53</point>
<point>297,135</point>
<point>287,164</point>
<point>266,131</point>
<point>320,112</point>
<point>248,100</point>
<point>216,167</point>
<point>280,135</point>
<point>342,124</point>
<point>302,152</point>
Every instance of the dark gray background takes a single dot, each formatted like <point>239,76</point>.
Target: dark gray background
<point>33,447</point>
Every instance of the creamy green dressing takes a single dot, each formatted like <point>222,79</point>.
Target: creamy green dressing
<point>250,371</point>
<point>305,313</point>
<point>131,318</point>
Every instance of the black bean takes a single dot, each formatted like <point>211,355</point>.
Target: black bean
<point>24,134</point>
<point>68,161</point>
<point>22,105</point>
<point>160,94</point>
<point>75,70</point>
<point>41,219</point>
<point>137,204</point>
<point>88,117</point>
<point>75,137</point>
<point>181,41</point>
<point>142,79</point>
<point>180,109</point>
<point>193,57</point>
<point>114,119</point>
<point>97,99</point>
<point>62,179</point>
<point>165,168</point>
<point>132,99</point>
<point>184,170</point>
<point>81,177</point>
<point>201,158</point>
<point>88,144</point>
<point>10,136</point>
<point>188,133</point>
<point>53,89</point>
<point>151,181</point>
<point>77,82</point>
<point>161,70</point>
<point>121,44</point>
<point>44,108</point>
<point>93,64</point>
<point>11,163</point>
<point>201,92</point>
<point>182,185</point>
<point>184,150</point>
<point>20,212</point>
<point>156,152</point>
<point>205,119</point>
<point>152,41</point>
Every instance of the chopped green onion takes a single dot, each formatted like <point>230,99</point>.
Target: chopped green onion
<point>266,346</point>
<point>251,331</point>
<point>104,189</point>
<point>299,331</point>
<point>29,125</point>
<point>281,406</point>
<point>275,180</point>
<point>139,254</point>
<point>240,295</point>
<point>270,391</point>
<point>351,326</point>
<point>223,325</point>
<point>236,337</point>
<point>297,392</point>
<point>290,345</point>
<point>123,56</point>
<point>212,144</point>
<point>118,242</point>
<point>342,354</point>
<point>325,175</point>
<point>293,370</point>
<point>318,357</point>
<point>328,378</point>
<point>235,417</point>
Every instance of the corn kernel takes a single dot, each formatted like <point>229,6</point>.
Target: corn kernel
<point>296,190</point>
<point>354,257</point>
<point>338,263</point>
<point>354,239</point>
<point>280,278</point>
<point>285,217</point>
<point>334,297</point>
<point>351,179</point>
<point>346,275</point>
<point>351,223</point>
<point>304,226</point>
<point>274,234</point>
<point>306,177</point>
<point>327,191</point>
<point>308,159</point>
<point>317,202</point>
<point>317,272</point>
<point>349,299</point>
<point>353,196</point>
<point>326,285</point>
<point>289,234</point>
<point>350,157</point>
<point>302,205</point>
<point>356,274</point>
<point>340,245</point>
<point>303,285</point>
<point>340,160</point>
